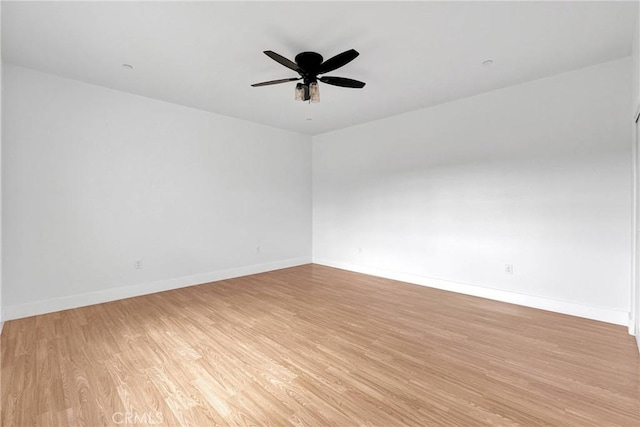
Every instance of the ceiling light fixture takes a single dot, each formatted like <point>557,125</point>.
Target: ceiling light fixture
<point>300,92</point>
<point>314,93</point>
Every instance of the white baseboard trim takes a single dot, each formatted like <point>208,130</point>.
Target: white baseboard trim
<point>602,314</point>
<point>34,308</point>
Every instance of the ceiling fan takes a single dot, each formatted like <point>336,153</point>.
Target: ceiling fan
<point>309,65</point>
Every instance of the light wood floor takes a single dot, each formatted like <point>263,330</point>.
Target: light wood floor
<point>316,346</point>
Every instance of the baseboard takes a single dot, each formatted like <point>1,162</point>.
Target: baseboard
<point>34,308</point>
<point>18,311</point>
<point>596,313</point>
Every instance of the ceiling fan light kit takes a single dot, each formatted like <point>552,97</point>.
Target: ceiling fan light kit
<point>309,65</point>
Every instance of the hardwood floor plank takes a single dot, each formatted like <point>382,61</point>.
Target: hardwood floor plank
<point>316,346</point>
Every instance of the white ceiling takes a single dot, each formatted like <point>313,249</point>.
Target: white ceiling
<point>412,54</point>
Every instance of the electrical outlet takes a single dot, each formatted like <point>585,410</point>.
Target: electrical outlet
<point>258,250</point>
<point>137,264</point>
<point>508,269</point>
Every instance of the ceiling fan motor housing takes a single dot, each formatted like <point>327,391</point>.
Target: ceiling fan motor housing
<point>309,62</point>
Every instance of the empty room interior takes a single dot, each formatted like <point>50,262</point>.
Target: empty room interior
<point>320,213</point>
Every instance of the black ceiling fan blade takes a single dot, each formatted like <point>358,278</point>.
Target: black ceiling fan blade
<point>342,82</point>
<point>282,60</point>
<point>275,82</point>
<point>338,61</point>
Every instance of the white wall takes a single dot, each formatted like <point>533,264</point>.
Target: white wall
<point>94,179</point>
<point>635,109</point>
<point>635,81</point>
<point>1,310</point>
<point>536,175</point>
